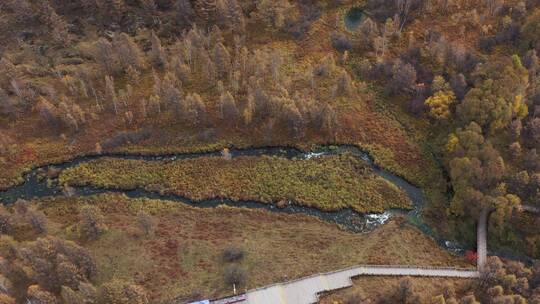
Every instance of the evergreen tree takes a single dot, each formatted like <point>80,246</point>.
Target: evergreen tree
<point>110,93</point>
<point>228,108</point>
<point>128,52</point>
<point>157,53</point>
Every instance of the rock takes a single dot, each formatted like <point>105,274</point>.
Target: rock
<point>282,204</point>
<point>53,172</point>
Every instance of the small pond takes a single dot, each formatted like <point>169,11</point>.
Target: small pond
<point>354,17</point>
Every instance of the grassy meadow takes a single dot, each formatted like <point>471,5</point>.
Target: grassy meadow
<point>183,259</point>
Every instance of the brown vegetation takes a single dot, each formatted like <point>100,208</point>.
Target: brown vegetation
<point>455,79</point>
<point>206,248</point>
<point>501,282</point>
<point>204,80</point>
<point>328,183</point>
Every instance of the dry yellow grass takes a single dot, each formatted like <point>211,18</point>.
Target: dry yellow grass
<point>184,256</point>
<point>381,289</point>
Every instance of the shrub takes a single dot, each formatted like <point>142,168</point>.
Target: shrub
<point>123,138</point>
<point>37,295</point>
<point>121,292</point>
<point>308,14</point>
<point>358,297</point>
<point>274,14</point>
<point>234,274</point>
<point>5,221</point>
<point>92,222</point>
<point>69,296</point>
<point>8,247</point>
<point>21,207</point>
<point>340,42</point>
<point>146,223</point>
<point>403,77</point>
<point>37,220</point>
<point>233,254</point>
<point>405,289</point>
<point>5,299</point>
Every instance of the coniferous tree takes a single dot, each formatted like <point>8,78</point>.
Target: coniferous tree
<point>170,89</point>
<point>157,53</point>
<point>155,102</point>
<point>110,93</point>
<point>112,8</point>
<point>274,14</point>
<point>230,15</point>
<point>206,9</point>
<point>227,107</point>
<point>459,85</point>
<point>133,75</point>
<point>58,27</point>
<point>222,60</point>
<point>184,11</point>
<point>293,119</point>
<point>249,110</point>
<point>48,112</point>
<point>106,56</point>
<point>182,70</point>
<point>128,52</point>
<point>328,120</point>
<point>194,110</point>
<point>345,84</point>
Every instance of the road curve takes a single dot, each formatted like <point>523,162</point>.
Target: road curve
<point>306,290</point>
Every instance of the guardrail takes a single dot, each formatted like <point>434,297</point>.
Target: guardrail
<point>364,266</point>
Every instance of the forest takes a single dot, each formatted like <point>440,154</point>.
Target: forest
<point>444,94</point>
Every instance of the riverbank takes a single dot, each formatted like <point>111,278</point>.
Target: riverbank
<point>43,182</point>
<point>189,241</point>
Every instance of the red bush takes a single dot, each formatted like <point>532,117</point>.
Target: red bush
<point>471,255</point>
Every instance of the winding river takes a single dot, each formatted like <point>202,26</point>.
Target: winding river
<point>37,185</point>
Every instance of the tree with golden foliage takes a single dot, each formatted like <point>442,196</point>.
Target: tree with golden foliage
<point>439,104</point>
